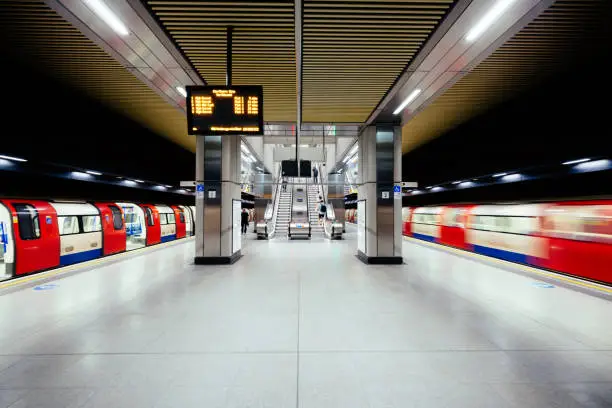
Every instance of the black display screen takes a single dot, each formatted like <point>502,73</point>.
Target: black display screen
<point>289,168</point>
<point>222,110</point>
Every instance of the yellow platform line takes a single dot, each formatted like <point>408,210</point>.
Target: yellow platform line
<point>70,268</point>
<point>528,269</point>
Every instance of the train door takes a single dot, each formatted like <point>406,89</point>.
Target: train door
<point>152,224</point>
<point>113,228</point>
<point>7,245</point>
<point>135,226</point>
<point>37,243</point>
<point>189,224</point>
<point>181,222</point>
<point>193,217</point>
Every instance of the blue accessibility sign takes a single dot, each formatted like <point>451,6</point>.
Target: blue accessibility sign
<point>542,285</point>
<point>397,189</point>
<point>47,286</point>
<point>200,188</point>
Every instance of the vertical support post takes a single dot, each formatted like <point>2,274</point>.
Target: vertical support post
<point>380,169</point>
<point>298,68</point>
<point>228,58</point>
<point>218,166</point>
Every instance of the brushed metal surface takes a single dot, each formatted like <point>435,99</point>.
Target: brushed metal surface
<point>212,195</point>
<point>385,161</point>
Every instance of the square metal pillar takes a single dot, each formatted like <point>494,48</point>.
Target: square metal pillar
<point>380,169</point>
<point>218,169</point>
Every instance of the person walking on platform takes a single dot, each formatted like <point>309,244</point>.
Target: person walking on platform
<point>244,220</point>
<point>315,174</point>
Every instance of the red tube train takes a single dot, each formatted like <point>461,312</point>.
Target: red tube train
<point>37,235</point>
<point>573,237</point>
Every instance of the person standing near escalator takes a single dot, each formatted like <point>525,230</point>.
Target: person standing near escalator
<point>315,174</point>
<point>244,218</point>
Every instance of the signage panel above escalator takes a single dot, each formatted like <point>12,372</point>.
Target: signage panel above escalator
<point>223,110</point>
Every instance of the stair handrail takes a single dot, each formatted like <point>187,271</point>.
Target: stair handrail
<point>276,200</point>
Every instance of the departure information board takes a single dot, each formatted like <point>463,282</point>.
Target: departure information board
<point>222,110</point>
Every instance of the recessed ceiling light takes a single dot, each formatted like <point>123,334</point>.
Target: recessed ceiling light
<point>106,14</point>
<point>409,99</point>
<point>17,159</point>
<point>488,19</point>
<point>575,161</point>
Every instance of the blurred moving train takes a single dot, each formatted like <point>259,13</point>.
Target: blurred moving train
<point>37,235</point>
<point>574,238</point>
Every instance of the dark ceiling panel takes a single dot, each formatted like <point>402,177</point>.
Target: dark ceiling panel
<point>36,33</point>
<point>564,34</point>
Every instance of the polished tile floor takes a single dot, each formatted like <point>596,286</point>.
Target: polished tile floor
<point>304,324</point>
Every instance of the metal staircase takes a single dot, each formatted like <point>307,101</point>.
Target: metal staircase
<point>283,213</point>
<point>313,212</point>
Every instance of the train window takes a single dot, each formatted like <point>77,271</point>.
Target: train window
<point>149,217</point>
<point>170,218</point>
<point>68,225</point>
<point>91,223</point>
<point>182,217</point>
<point>583,223</point>
<point>29,224</point>
<point>162,219</point>
<point>117,220</point>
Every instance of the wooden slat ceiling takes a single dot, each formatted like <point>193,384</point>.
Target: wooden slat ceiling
<point>38,34</point>
<point>556,37</point>
<point>263,45</point>
<point>354,50</point>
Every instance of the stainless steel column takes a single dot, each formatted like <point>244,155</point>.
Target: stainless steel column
<point>380,169</point>
<point>218,165</point>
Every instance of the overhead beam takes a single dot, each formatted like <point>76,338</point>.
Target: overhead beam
<point>146,51</point>
<point>448,55</point>
<point>299,26</point>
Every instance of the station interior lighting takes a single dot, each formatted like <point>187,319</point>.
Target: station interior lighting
<point>182,91</point>
<point>93,173</point>
<point>595,165</point>
<point>12,158</point>
<point>107,15</point>
<point>500,174</point>
<point>512,177</point>
<point>568,163</point>
<point>488,19</point>
<point>407,101</point>
<point>80,175</point>
<point>139,181</point>
<point>457,182</point>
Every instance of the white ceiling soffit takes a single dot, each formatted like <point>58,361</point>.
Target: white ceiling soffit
<point>449,55</point>
<point>145,51</point>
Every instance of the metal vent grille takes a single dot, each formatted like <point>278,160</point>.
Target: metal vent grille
<point>561,34</point>
<point>35,32</point>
